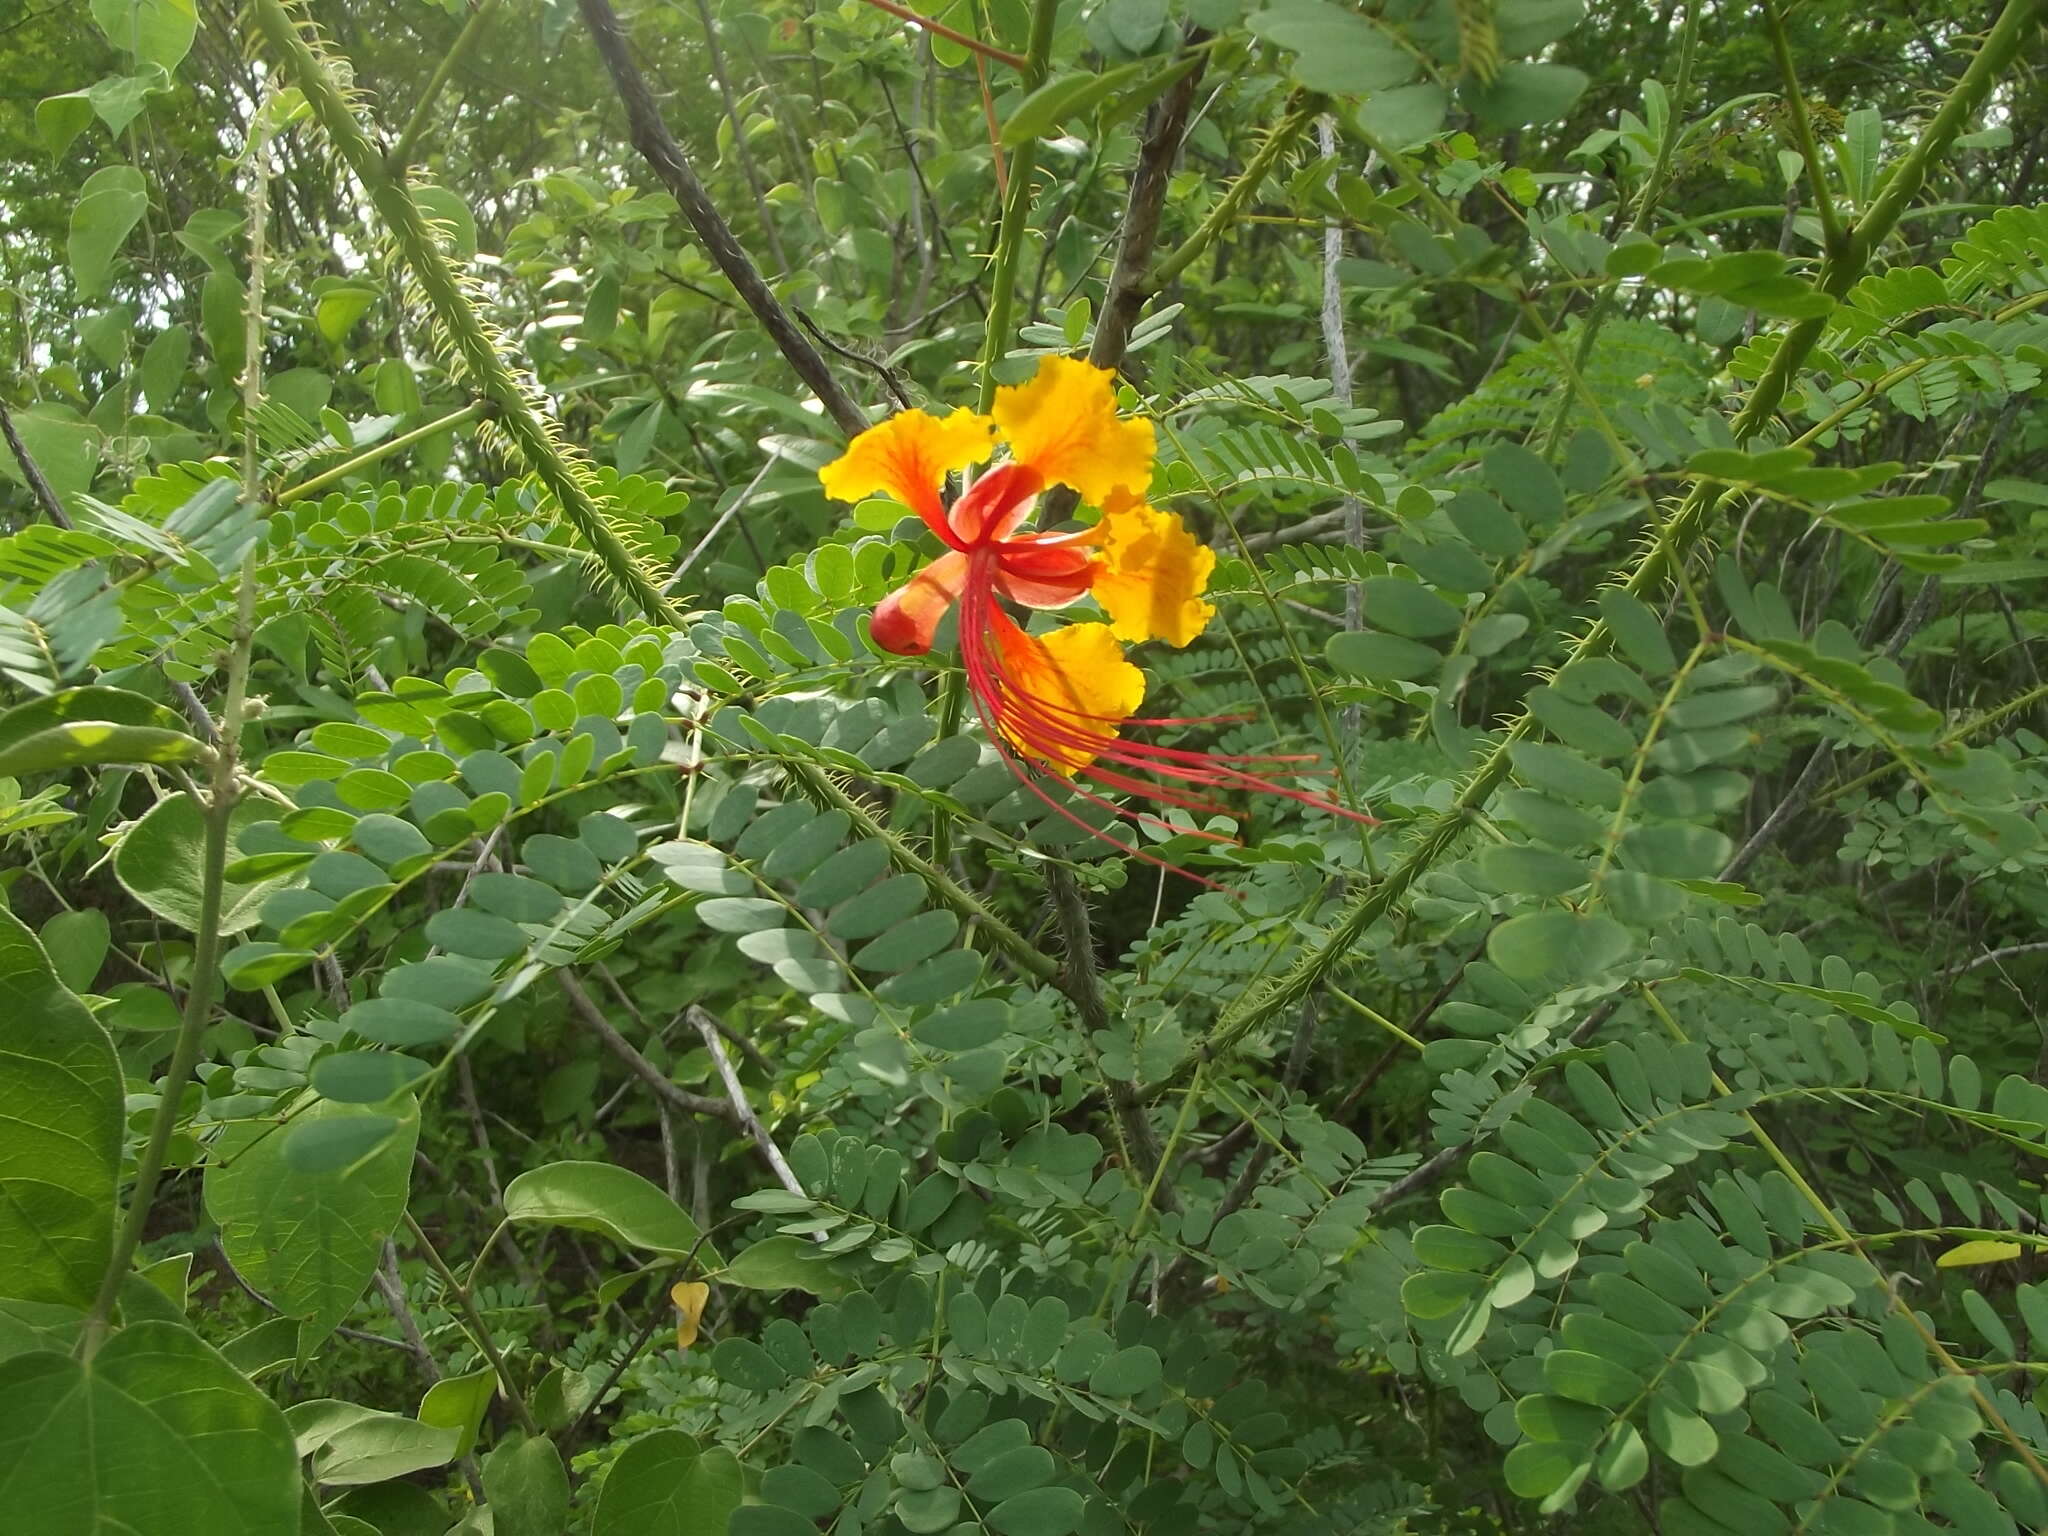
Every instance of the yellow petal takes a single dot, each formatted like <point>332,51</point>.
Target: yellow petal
<point>908,456</point>
<point>1150,575</point>
<point>1064,425</point>
<point>689,1297</point>
<point>1068,692</point>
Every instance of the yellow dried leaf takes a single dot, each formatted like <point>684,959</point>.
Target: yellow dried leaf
<point>1979,1251</point>
<point>689,1297</point>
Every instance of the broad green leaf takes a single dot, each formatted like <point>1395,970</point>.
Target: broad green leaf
<point>156,1433</point>
<point>158,32</point>
<point>335,1146</point>
<point>60,119</point>
<point>90,743</point>
<point>339,308</point>
<point>109,206</point>
<point>1407,608</point>
<point>1060,100</point>
<point>163,366</point>
<point>1041,1512</point>
<point>1336,50</point>
<point>1530,871</point>
<point>251,967</point>
<point>1978,1251</point>
<point>477,935</point>
<point>78,705</point>
<point>1127,1372</point>
<point>60,1131</point>
<point>159,859</point>
<point>1405,115</point>
<point>1136,23</point>
<point>1526,94</point>
<point>351,1445</point>
<point>401,1021</point>
<point>1366,654</point>
<point>664,1485</point>
<point>1537,1468</point>
<point>1558,945</point>
<point>1590,1378</point>
<point>785,1264</point>
<point>76,943</point>
<point>308,1241</point>
<point>527,1487</point>
<point>119,99</point>
<point>599,1197</point>
<point>65,446</point>
<point>365,1077</point>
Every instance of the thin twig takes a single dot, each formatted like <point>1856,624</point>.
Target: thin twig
<point>1078,979</point>
<point>881,370</point>
<point>1337,350</point>
<point>478,1329</point>
<point>392,1288</point>
<point>465,1082</point>
<point>1994,957</point>
<point>32,472</point>
<point>715,54</point>
<point>940,29</point>
<point>732,511</point>
<point>593,1018</point>
<point>1309,530</point>
<point>227,1267</point>
<point>711,1032</point>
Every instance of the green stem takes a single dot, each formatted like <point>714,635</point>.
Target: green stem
<point>1840,271</point>
<point>1962,732</point>
<point>1777,210</point>
<point>1301,112</point>
<point>199,989</point>
<point>222,796</point>
<point>1385,1023</point>
<point>370,456</point>
<point>1016,209</point>
<point>558,466</point>
<point>149,1166</point>
<point>1802,131</point>
<point>479,1333</point>
<point>401,155</point>
<point>952,705</point>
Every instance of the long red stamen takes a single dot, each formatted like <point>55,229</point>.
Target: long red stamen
<point>1051,731</point>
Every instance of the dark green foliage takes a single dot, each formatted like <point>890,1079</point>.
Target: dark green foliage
<point>459,826</point>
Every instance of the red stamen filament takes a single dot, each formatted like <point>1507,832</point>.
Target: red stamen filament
<point>1050,731</point>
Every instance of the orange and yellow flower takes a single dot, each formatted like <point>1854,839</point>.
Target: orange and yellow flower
<point>1059,700</point>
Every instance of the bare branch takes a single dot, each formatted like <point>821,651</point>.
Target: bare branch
<point>593,1019</point>
<point>659,148</point>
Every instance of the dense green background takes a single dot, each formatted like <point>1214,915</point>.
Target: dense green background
<point>1620,428</point>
